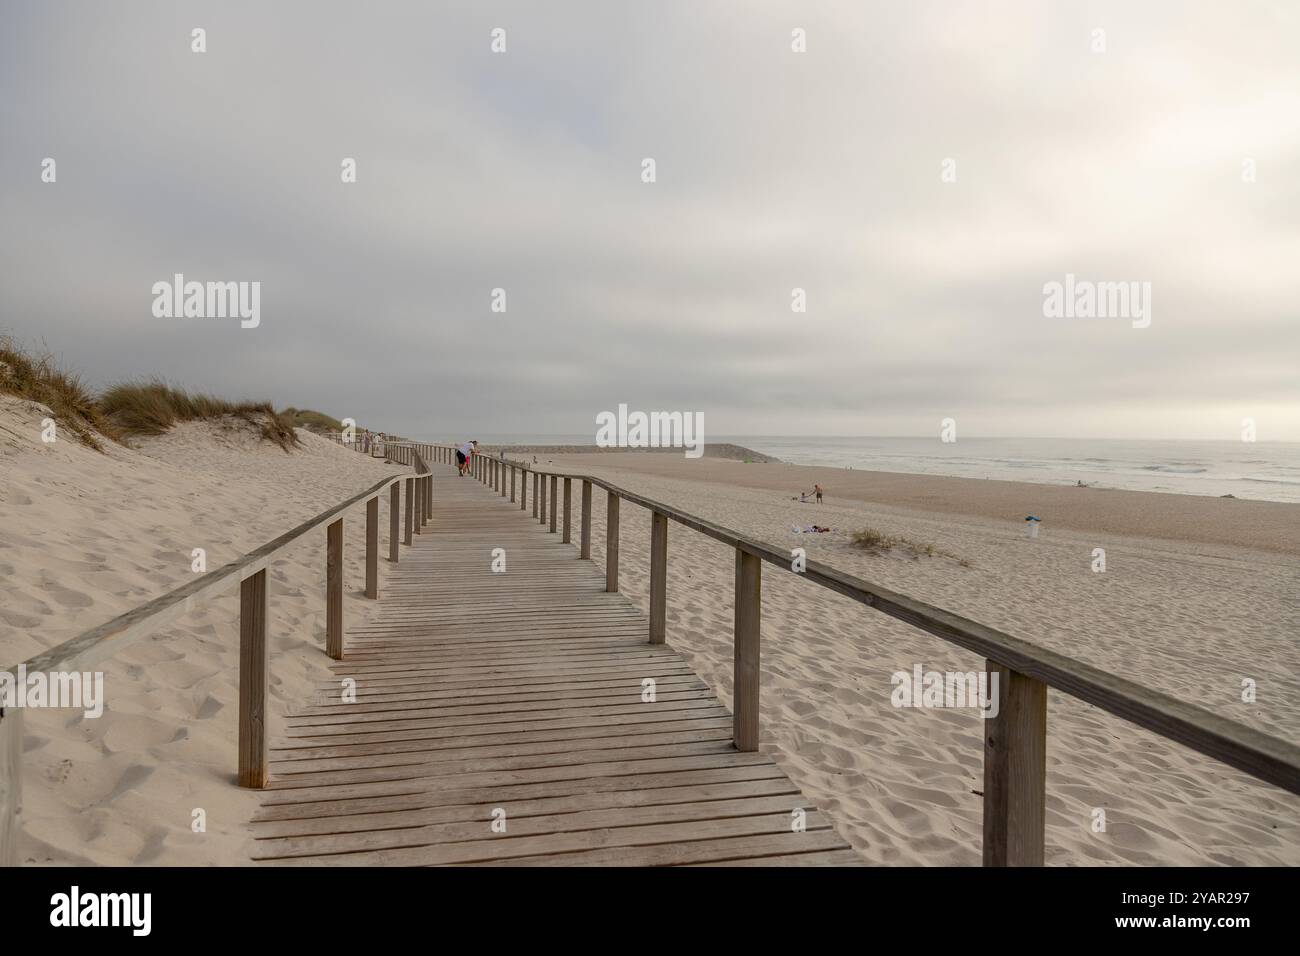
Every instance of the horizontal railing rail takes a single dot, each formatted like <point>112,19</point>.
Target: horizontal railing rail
<point>249,572</point>
<point>1015,739</point>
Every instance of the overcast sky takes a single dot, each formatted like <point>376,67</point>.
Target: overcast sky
<point>775,170</point>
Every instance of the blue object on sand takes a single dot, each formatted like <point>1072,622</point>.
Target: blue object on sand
<point>1032,518</point>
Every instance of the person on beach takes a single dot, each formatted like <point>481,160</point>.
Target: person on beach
<point>818,490</point>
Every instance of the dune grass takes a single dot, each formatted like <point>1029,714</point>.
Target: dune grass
<point>877,542</point>
<point>37,379</point>
<point>151,408</point>
<point>314,421</point>
<point>130,408</point>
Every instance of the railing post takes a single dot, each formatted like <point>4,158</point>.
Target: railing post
<point>512,484</point>
<point>11,783</point>
<point>410,512</point>
<point>745,681</point>
<point>585,551</point>
<point>523,489</point>
<point>334,590</point>
<point>1015,770</point>
<point>658,575</point>
<point>534,514</point>
<point>611,542</point>
<point>501,478</point>
<point>252,681</point>
<point>541,500</point>
<point>372,547</point>
<point>428,498</point>
<point>394,518</point>
<point>419,504</point>
<point>568,509</point>
<point>555,501</point>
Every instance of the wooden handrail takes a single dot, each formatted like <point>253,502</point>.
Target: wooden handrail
<point>92,645</point>
<point>1015,772</point>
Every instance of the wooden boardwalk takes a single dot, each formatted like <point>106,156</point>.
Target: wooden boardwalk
<point>515,699</point>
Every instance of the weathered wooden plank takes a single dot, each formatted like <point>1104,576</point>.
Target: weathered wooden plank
<point>561,825</point>
<point>11,783</point>
<point>392,817</point>
<point>585,548</point>
<point>611,542</point>
<point>372,548</point>
<point>394,519</point>
<point>729,851</point>
<point>663,838</point>
<point>334,590</point>
<point>658,576</point>
<point>252,681</point>
<point>1015,771</point>
<point>746,680</point>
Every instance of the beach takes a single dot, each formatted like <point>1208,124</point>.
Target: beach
<point>1196,595</point>
<point>1185,606</point>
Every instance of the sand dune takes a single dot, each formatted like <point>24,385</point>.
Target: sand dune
<point>87,536</point>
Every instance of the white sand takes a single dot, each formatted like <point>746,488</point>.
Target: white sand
<point>86,536</point>
<point>1186,618</point>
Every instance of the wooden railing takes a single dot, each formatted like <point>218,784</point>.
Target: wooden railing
<point>1015,740</point>
<point>249,572</point>
<point>356,442</point>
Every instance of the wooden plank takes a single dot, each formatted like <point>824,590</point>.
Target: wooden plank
<point>657,843</point>
<point>372,548</point>
<point>11,783</point>
<point>658,576</point>
<point>334,590</point>
<point>525,824</point>
<point>1015,771</point>
<point>252,681</point>
<point>585,552</point>
<point>568,510</point>
<point>419,505</point>
<point>747,625</point>
<point>574,792</point>
<point>412,813</point>
<point>755,850</point>
<point>611,542</point>
<point>394,519</point>
<point>410,512</point>
<point>555,502</point>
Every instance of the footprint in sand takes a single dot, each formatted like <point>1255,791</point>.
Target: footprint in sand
<point>66,596</point>
<point>14,619</point>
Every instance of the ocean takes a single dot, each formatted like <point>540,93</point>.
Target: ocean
<point>1264,470</point>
